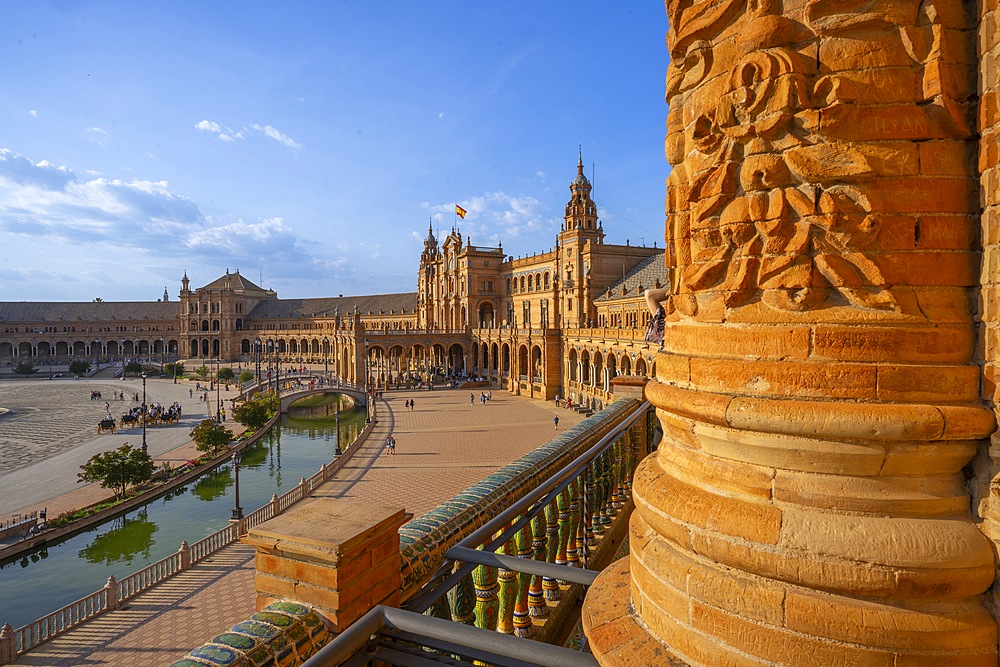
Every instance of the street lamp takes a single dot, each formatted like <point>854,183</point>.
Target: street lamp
<point>336,448</point>
<point>368,380</point>
<point>143,412</point>
<point>121,342</point>
<point>218,398</point>
<point>237,510</point>
<point>258,348</point>
<point>326,358</point>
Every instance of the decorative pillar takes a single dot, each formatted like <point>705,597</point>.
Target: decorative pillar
<point>819,384</point>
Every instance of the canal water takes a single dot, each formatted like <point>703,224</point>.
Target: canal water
<point>60,572</point>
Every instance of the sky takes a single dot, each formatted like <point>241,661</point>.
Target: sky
<point>310,144</point>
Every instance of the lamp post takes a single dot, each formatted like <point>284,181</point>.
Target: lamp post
<point>237,510</point>
<point>121,343</point>
<point>368,381</point>
<point>162,355</point>
<point>336,448</point>
<point>326,358</point>
<point>258,344</point>
<point>144,412</point>
<point>218,398</point>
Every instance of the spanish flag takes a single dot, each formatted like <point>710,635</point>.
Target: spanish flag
<point>459,211</point>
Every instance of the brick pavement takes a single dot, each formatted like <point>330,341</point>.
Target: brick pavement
<point>443,446</point>
<point>51,431</point>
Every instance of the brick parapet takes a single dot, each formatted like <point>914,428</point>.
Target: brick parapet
<point>339,557</point>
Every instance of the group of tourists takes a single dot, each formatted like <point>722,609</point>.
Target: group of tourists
<point>390,445</point>
<point>409,404</point>
<point>484,397</point>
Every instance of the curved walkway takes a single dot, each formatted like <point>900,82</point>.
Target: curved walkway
<point>443,445</point>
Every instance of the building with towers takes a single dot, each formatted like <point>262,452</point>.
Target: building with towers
<point>562,322</point>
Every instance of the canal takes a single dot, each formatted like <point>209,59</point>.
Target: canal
<point>60,572</point>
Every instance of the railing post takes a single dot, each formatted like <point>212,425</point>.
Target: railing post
<point>322,469</point>
<point>303,489</point>
<point>111,593</point>
<point>275,508</point>
<point>185,554</point>
<point>8,645</point>
<point>539,540</point>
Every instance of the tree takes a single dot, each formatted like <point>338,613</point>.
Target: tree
<point>25,368</point>
<point>245,376</point>
<point>118,468</point>
<point>210,437</point>
<point>79,368</point>
<point>202,371</point>
<point>225,375</point>
<point>171,368</point>
<point>133,367</point>
<point>256,411</point>
<point>98,299</point>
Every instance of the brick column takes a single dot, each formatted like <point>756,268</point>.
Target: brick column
<point>819,386</point>
<point>340,557</point>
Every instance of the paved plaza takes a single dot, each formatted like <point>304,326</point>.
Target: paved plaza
<point>443,445</point>
<point>51,430</point>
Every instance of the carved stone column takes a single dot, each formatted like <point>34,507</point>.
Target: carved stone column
<point>819,386</point>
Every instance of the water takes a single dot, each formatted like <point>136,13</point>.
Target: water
<point>60,572</point>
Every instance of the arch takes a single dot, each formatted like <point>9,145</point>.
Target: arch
<point>508,286</point>
<point>194,347</point>
<point>522,362</point>
<point>640,366</point>
<point>585,367</point>
<point>573,358</point>
<point>245,346</point>
<point>215,325</point>
<point>547,279</point>
<point>6,350</point>
<point>536,363</point>
<point>215,347</point>
<point>522,283</point>
<point>239,324</point>
<point>612,368</point>
<point>505,360</point>
<point>204,325</point>
<point>204,347</point>
<point>487,315</point>
<point>79,349</point>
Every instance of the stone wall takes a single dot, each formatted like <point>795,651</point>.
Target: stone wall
<point>989,199</point>
<point>821,383</point>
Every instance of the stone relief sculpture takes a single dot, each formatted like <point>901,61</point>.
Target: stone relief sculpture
<point>777,154</point>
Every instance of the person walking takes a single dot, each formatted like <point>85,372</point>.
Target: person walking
<point>472,399</point>
<point>392,445</point>
<point>555,420</point>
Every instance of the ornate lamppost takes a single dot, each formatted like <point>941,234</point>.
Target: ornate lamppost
<point>237,510</point>
<point>144,411</point>
<point>258,348</point>
<point>218,398</point>
<point>121,349</point>
<point>336,448</point>
<point>326,359</point>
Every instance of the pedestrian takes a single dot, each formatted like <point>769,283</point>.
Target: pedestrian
<point>223,410</point>
<point>388,444</point>
<point>555,420</point>
<point>557,400</point>
<point>190,393</point>
<point>412,403</point>
<point>472,399</point>
<point>392,445</point>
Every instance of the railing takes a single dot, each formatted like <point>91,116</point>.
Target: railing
<point>516,578</point>
<point>114,593</point>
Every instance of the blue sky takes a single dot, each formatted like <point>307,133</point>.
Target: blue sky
<point>308,144</point>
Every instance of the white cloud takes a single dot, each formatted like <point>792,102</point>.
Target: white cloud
<point>496,217</point>
<point>277,135</point>
<point>220,131</point>
<point>97,135</point>
<point>33,112</point>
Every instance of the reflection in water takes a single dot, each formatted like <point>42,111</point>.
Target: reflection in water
<point>214,483</point>
<point>128,538</point>
<point>73,566</point>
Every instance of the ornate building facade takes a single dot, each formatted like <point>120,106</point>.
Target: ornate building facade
<point>558,323</point>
